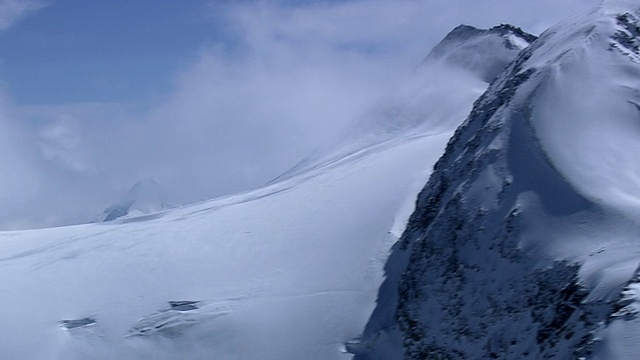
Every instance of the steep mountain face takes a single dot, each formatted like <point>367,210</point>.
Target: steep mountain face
<point>524,243</point>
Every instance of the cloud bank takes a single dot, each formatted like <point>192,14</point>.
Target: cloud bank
<point>286,79</point>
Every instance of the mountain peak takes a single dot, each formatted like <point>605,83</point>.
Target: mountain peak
<point>462,32</point>
<point>484,52</point>
<point>508,29</point>
<point>144,197</point>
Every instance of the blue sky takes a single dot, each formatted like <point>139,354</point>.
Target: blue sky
<point>74,51</point>
<point>107,51</point>
<point>207,97</point>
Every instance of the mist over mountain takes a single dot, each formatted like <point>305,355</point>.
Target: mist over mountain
<point>437,95</point>
<point>485,52</point>
<point>486,208</point>
<point>219,277</point>
<point>145,197</point>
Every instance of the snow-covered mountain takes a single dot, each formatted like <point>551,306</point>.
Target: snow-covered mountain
<point>525,241</point>
<point>144,197</point>
<point>437,94</point>
<point>289,271</point>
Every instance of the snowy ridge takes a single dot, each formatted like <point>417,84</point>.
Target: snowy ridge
<point>524,243</point>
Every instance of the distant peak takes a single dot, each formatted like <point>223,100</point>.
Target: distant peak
<point>145,185</point>
<point>145,196</point>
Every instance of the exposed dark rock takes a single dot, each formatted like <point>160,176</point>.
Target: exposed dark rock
<point>183,305</point>
<point>77,323</point>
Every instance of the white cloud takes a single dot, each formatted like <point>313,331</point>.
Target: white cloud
<point>11,11</point>
<point>299,74</point>
<point>289,79</point>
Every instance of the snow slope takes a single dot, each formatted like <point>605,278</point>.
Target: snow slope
<point>286,272</point>
<point>289,271</point>
<point>524,243</point>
